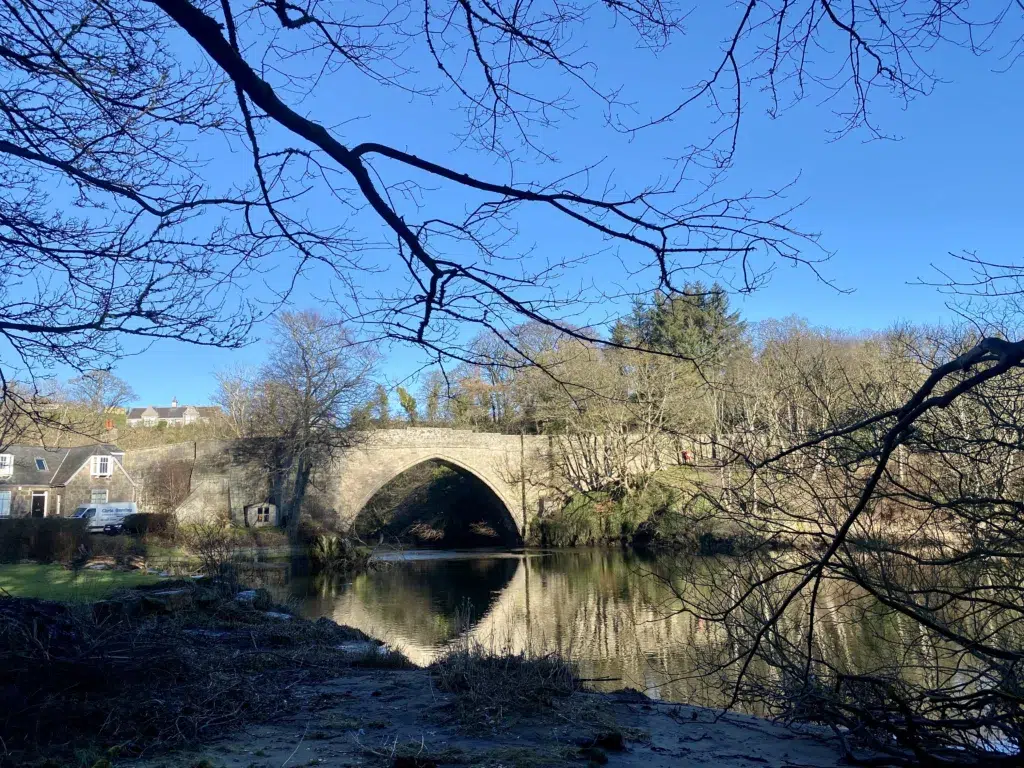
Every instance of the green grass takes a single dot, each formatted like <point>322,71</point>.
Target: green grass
<point>52,582</point>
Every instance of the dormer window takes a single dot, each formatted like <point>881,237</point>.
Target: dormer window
<point>6,465</point>
<point>101,466</point>
<point>41,464</point>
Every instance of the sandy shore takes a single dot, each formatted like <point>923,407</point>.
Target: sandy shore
<point>398,718</point>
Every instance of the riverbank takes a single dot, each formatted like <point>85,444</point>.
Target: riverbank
<point>197,674</point>
<point>399,719</point>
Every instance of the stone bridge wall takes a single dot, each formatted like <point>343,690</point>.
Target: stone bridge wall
<point>225,476</point>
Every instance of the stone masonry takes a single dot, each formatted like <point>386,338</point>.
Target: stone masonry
<point>502,462</point>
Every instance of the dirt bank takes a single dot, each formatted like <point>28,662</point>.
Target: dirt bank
<point>399,718</point>
<point>204,674</point>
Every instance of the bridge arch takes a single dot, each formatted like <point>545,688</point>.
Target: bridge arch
<point>369,492</point>
<point>498,461</point>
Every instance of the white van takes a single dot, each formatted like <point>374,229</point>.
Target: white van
<point>106,517</point>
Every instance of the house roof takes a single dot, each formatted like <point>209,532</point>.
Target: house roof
<point>178,412</point>
<point>61,463</point>
<point>76,457</point>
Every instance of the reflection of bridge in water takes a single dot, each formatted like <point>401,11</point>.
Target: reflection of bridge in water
<point>602,609</point>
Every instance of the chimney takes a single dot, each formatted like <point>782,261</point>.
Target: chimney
<point>174,402</point>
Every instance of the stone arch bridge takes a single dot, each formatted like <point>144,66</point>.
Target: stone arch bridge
<point>504,463</point>
<point>224,478</point>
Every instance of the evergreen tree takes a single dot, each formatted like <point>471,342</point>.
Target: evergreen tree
<point>408,403</point>
<point>695,324</point>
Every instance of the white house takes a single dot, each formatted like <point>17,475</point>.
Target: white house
<point>175,415</point>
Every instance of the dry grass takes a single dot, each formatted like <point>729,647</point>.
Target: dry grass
<point>70,681</point>
<point>493,687</point>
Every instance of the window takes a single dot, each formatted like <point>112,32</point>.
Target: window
<point>5,503</point>
<point>101,466</point>
<point>6,465</point>
<point>99,496</point>
<point>41,464</point>
<point>263,514</point>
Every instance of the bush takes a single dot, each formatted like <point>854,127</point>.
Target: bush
<point>578,523</point>
<point>598,517</point>
<point>331,553</point>
<point>44,539</point>
<point>213,544</point>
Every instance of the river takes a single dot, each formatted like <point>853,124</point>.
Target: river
<point>600,607</point>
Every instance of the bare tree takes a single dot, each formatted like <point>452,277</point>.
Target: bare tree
<point>106,229</point>
<point>877,483</point>
<point>99,390</point>
<point>166,485</point>
<point>317,374</point>
<point>238,396</point>
<point>120,220</point>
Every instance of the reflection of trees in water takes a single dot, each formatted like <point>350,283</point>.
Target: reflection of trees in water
<point>620,616</point>
<point>437,505</point>
<point>610,610</point>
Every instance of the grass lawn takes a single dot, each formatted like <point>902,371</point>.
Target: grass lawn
<point>53,582</point>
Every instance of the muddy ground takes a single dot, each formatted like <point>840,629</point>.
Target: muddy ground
<point>398,718</point>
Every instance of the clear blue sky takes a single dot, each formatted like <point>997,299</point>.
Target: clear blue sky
<point>888,209</point>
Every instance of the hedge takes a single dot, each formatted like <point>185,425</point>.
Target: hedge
<point>43,539</point>
<point>144,523</point>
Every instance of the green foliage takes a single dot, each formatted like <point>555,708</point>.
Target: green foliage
<point>134,438</point>
<point>408,403</point>
<point>432,392</point>
<point>661,517</point>
<point>696,324</point>
<point>380,407</point>
<point>43,539</point>
<point>599,518</point>
<point>576,524</point>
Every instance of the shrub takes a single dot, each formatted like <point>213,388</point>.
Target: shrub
<point>599,517</point>
<point>213,544</point>
<point>44,539</point>
<point>331,553</point>
<point>578,523</point>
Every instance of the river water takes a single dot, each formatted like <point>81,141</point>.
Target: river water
<point>601,608</point>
